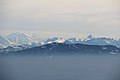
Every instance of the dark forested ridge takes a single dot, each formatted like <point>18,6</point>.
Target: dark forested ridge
<point>65,49</point>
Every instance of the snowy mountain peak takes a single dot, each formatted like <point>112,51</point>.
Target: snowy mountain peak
<point>90,37</point>
<point>4,41</point>
<point>72,41</point>
<point>55,39</point>
<point>33,40</point>
<point>19,38</point>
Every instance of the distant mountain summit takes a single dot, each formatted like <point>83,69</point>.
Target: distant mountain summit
<point>72,41</point>
<point>55,39</point>
<point>101,41</point>
<point>21,41</point>
<point>4,41</point>
<point>19,38</point>
<point>90,37</point>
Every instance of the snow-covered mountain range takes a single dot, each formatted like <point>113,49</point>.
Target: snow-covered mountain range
<point>22,41</point>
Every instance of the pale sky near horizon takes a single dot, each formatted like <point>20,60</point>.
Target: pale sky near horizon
<point>97,17</point>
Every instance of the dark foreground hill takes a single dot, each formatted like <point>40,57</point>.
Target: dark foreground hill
<point>67,49</point>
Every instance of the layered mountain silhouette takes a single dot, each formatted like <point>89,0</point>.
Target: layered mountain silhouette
<point>66,49</point>
<point>25,44</point>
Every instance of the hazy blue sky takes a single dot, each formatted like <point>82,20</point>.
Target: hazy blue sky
<point>98,17</point>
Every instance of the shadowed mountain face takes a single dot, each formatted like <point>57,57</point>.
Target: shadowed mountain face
<point>66,49</point>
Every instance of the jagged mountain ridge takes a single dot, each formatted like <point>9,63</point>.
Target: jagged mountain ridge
<point>28,41</point>
<point>19,38</point>
<point>4,42</point>
<point>66,49</point>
